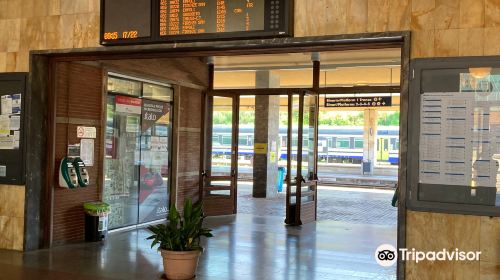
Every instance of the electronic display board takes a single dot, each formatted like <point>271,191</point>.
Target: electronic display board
<point>126,19</point>
<point>160,21</point>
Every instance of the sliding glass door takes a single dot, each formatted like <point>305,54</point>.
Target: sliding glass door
<point>137,156</point>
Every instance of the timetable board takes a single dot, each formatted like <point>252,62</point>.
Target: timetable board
<point>162,21</point>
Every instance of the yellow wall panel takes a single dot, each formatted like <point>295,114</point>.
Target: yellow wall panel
<point>11,217</point>
<point>357,13</point>
<point>492,13</point>
<point>471,13</point>
<point>446,42</point>
<point>423,14</point>
<point>378,15</point>
<point>471,42</point>
<point>492,41</point>
<point>336,16</point>
<point>447,14</point>
<point>490,240</point>
<point>399,15</point>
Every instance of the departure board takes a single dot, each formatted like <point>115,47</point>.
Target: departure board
<point>159,21</point>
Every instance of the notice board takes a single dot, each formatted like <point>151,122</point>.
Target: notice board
<point>12,150</point>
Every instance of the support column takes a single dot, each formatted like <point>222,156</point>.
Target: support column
<point>266,137</point>
<point>369,141</point>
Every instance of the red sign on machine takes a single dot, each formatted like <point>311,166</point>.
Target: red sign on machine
<point>125,104</point>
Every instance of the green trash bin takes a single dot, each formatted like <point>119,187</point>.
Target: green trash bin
<point>96,220</point>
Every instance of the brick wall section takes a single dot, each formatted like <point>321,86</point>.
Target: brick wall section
<point>189,145</point>
<point>83,84</point>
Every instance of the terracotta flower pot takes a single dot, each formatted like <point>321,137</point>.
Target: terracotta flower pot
<point>180,265</point>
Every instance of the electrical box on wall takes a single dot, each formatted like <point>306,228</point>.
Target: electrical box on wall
<point>12,151</point>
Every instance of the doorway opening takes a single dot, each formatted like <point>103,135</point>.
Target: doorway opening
<point>296,147</point>
<point>357,145</point>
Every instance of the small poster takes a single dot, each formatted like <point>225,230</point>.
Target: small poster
<point>74,150</point>
<point>3,171</point>
<point>15,122</point>
<point>17,139</point>
<point>4,125</point>
<point>7,143</point>
<point>132,124</point>
<point>6,105</point>
<point>130,105</point>
<point>87,151</point>
<point>152,112</point>
<point>260,148</point>
<point>86,132</point>
<point>16,103</point>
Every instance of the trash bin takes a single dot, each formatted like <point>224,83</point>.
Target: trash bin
<point>96,220</point>
<point>281,178</point>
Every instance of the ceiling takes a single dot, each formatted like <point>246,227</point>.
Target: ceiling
<point>334,59</point>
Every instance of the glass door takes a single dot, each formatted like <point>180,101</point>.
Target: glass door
<point>137,157</point>
<point>220,178</point>
<point>301,198</point>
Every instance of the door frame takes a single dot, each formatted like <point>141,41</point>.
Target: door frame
<point>39,193</point>
<point>207,147</point>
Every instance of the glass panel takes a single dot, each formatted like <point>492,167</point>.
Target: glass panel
<point>157,92</point>
<point>292,70</point>
<point>375,67</point>
<point>222,121</point>
<point>245,141</point>
<point>124,86</point>
<point>154,168</point>
<point>462,121</point>
<point>294,134</point>
<point>121,169</point>
<point>309,135</point>
<point>387,138</point>
<point>220,192</point>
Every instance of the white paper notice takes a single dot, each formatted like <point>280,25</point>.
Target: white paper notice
<point>15,122</point>
<point>6,143</point>
<point>3,171</point>
<point>6,105</point>
<point>16,139</point>
<point>445,138</point>
<point>4,125</point>
<point>87,151</point>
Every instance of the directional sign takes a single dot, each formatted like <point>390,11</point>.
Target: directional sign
<point>372,101</point>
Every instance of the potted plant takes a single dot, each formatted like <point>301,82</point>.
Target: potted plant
<point>179,240</point>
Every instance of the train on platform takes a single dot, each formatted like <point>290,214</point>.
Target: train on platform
<point>342,144</point>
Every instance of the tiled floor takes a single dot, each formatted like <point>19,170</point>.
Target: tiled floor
<point>351,205</point>
<point>245,246</point>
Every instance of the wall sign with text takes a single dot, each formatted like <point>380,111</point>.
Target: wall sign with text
<point>371,101</point>
<point>158,21</point>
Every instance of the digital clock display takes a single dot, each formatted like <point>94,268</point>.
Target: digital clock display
<point>160,21</point>
<point>126,19</point>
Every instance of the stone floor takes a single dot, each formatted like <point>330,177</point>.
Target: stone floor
<point>352,205</point>
<point>245,246</point>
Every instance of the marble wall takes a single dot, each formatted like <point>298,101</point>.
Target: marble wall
<point>439,28</point>
<point>11,217</point>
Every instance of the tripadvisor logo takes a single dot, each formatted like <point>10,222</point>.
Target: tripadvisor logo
<point>386,255</point>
